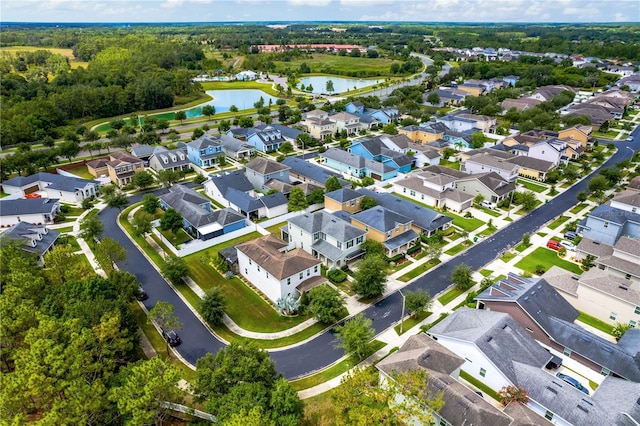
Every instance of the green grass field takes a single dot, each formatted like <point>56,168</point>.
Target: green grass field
<point>340,65</point>
<point>559,221</point>
<point>446,298</point>
<point>419,270</point>
<point>578,208</point>
<point>73,62</point>
<point>458,248</point>
<point>546,258</point>
<point>595,323</point>
<point>275,229</point>
<point>82,172</point>
<point>531,186</point>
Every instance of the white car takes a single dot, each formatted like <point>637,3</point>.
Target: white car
<point>568,245</point>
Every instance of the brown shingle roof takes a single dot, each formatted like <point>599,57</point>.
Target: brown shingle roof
<point>265,251</point>
<point>264,166</point>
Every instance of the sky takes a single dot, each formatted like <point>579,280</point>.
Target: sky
<point>319,10</point>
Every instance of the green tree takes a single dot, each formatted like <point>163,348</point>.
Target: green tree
<point>142,222</point>
<point>68,149</point>
<point>109,252</point>
<point>142,179</point>
<point>582,196</point>
<point>286,148</point>
<point>511,393</point>
<point>478,199</point>
<point>163,315</point>
<point>390,129</point>
<point>316,197</point>
<point>175,269</point>
<point>418,301</point>
<point>305,140</point>
<point>478,139</point>
<point>196,134</point>
<point>297,200</point>
<point>245,122</point>
<point>368,202</point>
<point>118,200</point>
<point>373,248</point>
<point>144,387</point>
<point>212,306</point>
<point>91,227</point>
<point>326,304</point>
<point>354,335</point>
<point>371,277</point>
<point>461,277</point>
<point>433,98</point>
<point>168,178</point>
<point>620,329</point>
<point>171,220</point>
<point>598,184</point>
<point>329,86</point>
<point>233,109</point>
<point>150,203</point>
<point>528,200</point>
<point>253,417</point>
<point>588,262</point>
<point>332,184</point>
<point>208,110</point>
<point>526,238</point>
<point>180,115</point>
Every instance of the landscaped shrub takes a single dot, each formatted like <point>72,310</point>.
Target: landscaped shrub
<point>414,249</point>
<point>396,257</point>
<point>336,276</point>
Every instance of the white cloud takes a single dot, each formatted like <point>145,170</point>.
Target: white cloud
<point>314,3</point>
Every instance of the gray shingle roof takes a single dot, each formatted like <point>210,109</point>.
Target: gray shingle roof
<point>343,195</point>
<point>356,161</point>
<point>286,131</point>
<point>612,214</point>
<point>322,221</point>
<point>235,179</point>
<point>273,200</point>
<point>55,181</point>
<point>173,158</point>
<point>229,143</point>
<point>265,166</point>
<point>380,218</point>
<point>401,239</point>
<point>204,141</point>
<point>23,233</point>
<point>311,171</point>
<point>532,163</point>
<point>423,217</point>
<point>26,206</point>
<point>242,200</point>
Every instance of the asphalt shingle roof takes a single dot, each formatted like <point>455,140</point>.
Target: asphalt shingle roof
<point>264,166</point>
<point>26,206</point>
<point>310,171</point>
<point>55,181</point>
<point>327,223</point>
<point>380,218</point>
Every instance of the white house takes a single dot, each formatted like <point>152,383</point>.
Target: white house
<point>33,210</point>
<point>277,273</point>
<point>434,189</point>
<point>485,162</point>
<point>38,240</point>
<point>66,188</point>
<point>246,75</point>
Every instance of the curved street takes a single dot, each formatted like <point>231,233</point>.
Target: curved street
<point>320,351</point>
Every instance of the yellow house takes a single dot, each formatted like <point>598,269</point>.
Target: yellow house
<point>472,89</point>
<point>421,135</point>
<point>578,133</point>
<point>344,199</point>
<point>391,229</point>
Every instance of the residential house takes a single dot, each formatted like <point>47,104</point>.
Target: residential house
<point>546,93</point>
<point>236,148</point>
<point>66,188</point>
<point>578,133</point>
<point>197,216</point>
<point>511,80</point>
<point>175,160</point>
<point>473,89</point>
<point>448,96</point>
<point>491,186</point>
<point>278,273</point>
<point>261,170</point>
<point>598,293</point>
<point>288,133</point>
<point>549,318</point>
<point>434,189</point>
<point>520,104</point>
<point>424,133</point>
<point>323,235</point>
<point>34,239</point>
<point>37,211</point>
<point>372,116</point>
<point>247,75</point>
<point>552,150</point>
<point>345,199</point>
<point>596,114</point>
<point>391,229</point>
<point>352,165</point>
<point>462,406</point>
<point>632,81</point>
<point>144,152</point>
<point>498,352</point>
<point>421,154</point>
<point>424,220</point>
<point>318,124</point>
<point>206,151</point>
<point>462,122</point>
<point>608,222</point>
<point>378,149</point>
<point>305,171</point>
<point>265,139</point>
<point>120,167</point>
<point>621,259</point>
<point>217,185</point>
<point>347,122</point>
<point>485,162</point>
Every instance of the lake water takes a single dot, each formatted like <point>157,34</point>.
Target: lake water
<point>340,84</point>
<point>223,99</point>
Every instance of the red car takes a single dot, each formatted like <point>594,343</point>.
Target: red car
<point>553,244</point>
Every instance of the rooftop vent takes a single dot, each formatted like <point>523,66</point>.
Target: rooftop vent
<point>582,408</point>
<point>587,402</point>
<point>607,349</point>
<point>552,390</point>
<point>575,277</point>
<point>464,405</point>
<point>596,242</point>
<point>468,398</point>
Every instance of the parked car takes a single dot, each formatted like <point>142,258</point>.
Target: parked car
<point>570,235</point>
<point>141,294</point>
<point>554,363</point>
<point>487,204</point>
<point>171,337</point>
<point>553,244</point>
<point>568,245</point>
<point>573,382</point>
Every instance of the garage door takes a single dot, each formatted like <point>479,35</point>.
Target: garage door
<point>31,189</point>
<point>376,176</point>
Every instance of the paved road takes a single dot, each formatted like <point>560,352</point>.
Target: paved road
<point>321,351</point>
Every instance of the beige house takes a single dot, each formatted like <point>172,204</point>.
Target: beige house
<point>346,121</point>
<point>120,167</point>
<point>318,124</point>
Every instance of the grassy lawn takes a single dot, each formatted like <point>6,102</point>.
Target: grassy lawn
<point>546,258</point>
<point>507,256</point>
<point>446,298</point>
<point>490,212</point>
<point>72,210</point>
<point>485,272</point>
<point>531,186</point>
<point>508,219</point>
<point>341,65</point>
<point>595,323</point>
<point>180,237</point>
<point>318,410</point>
<point>419,270</point>
<point>3,194</point>
<point>578,208</point>
<point>224,85</point>
<point>65,229</point>
<point>73,62</point>
<point>559,221</point>
<point>522,247</point>
<point>453,236</point>
<point>275,229</point>
<point>82,172</point>
<point>411,322</point>
<point>488,231</point>
<point>335,370</point>
<point>458,248</point>
<point>451,164</point>
<point>475,382</point>
<point>542,234</point>
<point>71,240</point>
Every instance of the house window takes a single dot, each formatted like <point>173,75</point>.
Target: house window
<point>604,371</point>
<point>633,323</point>
<point>483,372</point>
<point>389,234</point>
<point>360,239</point>
<point>339,244</point>
<point>267,275</point>
<point>353,203</point>
<point>637,310</point>
<point>413,193</point>
<point>606,224</point>
<point>613,316</point>
<point>258,268</point>
<point>315,269</point>
<point>250,263</point>
<point>289,281</point>
<point>422,196</point>
<point>308,272</point>
<point>548,415</point>
<point>406,227</point>
<point>404,190</point>
<point>245,271</point>
<point>366,227</point>
<point>567,351</point>
<point>349,244</point>
<point>300,275</point>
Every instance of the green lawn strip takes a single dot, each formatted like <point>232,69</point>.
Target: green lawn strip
<point>542,234</point>
<point>72,210</point>
<point>73,242</point>
<point>162,245</point>
<point>446,298</point>
<point>450,164</point>
<point>419,270</point>
<point>532,186</point>
<point>335,370</point>
<point>411,322</point>
<point>454,236</point>
<point>507,256</point>
<point>469,224</point>
<point>401,266</point>
<point>546,258</point>
<point>176,239</point>
<point>275,229</point>
<point>485,272</point>
<point>477,383</point>
<point>508,219</point>
<point>595,323</point>
<point>64,229</point>
<point>458,248</point>
<point>578,208</point>
<point>3,194</point>
<point>522,247</point>
<point>559,221</point>
<point>82,172</point>
<point>487,231</point>
<point>490,212</point>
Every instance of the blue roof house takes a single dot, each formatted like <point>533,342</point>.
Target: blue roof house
<point>352,165</point>
<point>205,151</point>
<point>375,149</point>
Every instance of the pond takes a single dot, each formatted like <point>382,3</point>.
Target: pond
<point>340,84</point>
<point>223,99</point>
